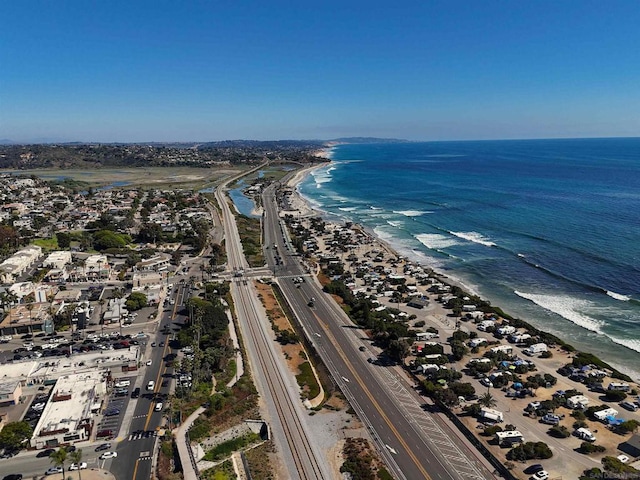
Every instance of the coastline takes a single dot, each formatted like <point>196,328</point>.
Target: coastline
<point>306,208</point>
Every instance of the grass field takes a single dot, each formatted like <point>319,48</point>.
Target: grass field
<point>153,177</point>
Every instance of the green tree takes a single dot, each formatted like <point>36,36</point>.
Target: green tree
<point>14,434</point>
<point>58,458</point>
<point>105,239</point>
<point>136,301</point>
<point>487,400</point>
<point>64,239</point>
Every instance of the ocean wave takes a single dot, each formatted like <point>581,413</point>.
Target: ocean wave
<point>347,209</point>
<point>570,308</point>
<point>435,241</point>
<point>395,223</point>
<point>618,296</point>
<point>474,237</point>
<point>411,213</point>
<point>631,343</point>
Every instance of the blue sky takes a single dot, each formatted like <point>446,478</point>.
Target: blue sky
<point>212,70</point>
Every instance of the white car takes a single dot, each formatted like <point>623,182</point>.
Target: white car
<point>78,466</point>
<point>106,455</point>
<point>623,458</point>
<point>158,407</point>
<point>53,470</point>
<point>149,362</point>
<point>541,475</point>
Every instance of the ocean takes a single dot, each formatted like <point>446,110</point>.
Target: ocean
<point>547,230</point>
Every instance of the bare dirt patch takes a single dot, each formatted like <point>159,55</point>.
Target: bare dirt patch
<point>293,351</point>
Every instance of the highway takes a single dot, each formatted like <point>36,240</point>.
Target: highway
<point>414,444</point>
<point>274,382</point>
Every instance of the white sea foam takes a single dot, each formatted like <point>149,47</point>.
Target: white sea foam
<point>567,307</point>
<point>396,224</point>
<point>522,255</point>
<point>411,213</point>
<point>375,208</point>
<point>474,237</point>
<point>383,234</point>
<point>631,343</point>
<point>347,209</point>
<point>618,296</point>
<point>435,241</point>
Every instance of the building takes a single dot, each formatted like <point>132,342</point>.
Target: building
<point>21,320</point>
<point>57,260</point>
<point>158,263</point>
<point>10,392</point>
<point>18,263</point>
<point>67,416</point>
<point>96,266</point>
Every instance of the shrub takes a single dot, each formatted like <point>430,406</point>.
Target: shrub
<point>419,324</point>
<point>627,427</point>
<point>491,431</point>
<point>530,451</point>
<point>559,431</point>
<point>615,395</point>
<point>462,389</point>
<point>588,448</point>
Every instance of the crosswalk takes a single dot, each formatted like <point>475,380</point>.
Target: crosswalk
<point>142,434</point>
<point>146,455</point>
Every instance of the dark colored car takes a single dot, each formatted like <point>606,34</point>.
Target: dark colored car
<point>535,468</point>
<point>45,453</point>
<point>13,476</point>
<point>104,446</point>
<point>135,393</point>
<point>70,448</point>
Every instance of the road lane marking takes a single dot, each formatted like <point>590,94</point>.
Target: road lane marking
<point>373,401</point>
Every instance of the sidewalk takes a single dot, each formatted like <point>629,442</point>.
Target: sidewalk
<point>189,471</point>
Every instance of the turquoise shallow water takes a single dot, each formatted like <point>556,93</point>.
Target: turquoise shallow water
<point>547,229</point>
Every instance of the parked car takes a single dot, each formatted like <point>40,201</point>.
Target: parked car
<point>541,475</point>
<point>102,447</point>
<point>486,382</point>
<point>112,412</point>
<point>78,466</point>
<point>53,471</point>
<point>107,455</point>
<point>135,393</point>
<point>535,468</point>
<point>13,476</point>
<point>550,419</point>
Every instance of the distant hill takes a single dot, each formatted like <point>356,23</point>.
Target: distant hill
<point>368,140</point>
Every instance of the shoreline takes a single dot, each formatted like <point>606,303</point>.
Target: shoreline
<point>306,208</point>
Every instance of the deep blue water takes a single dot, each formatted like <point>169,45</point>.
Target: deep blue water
<point>547,229</point>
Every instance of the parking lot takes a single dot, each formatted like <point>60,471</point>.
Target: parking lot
<point>113,413</point>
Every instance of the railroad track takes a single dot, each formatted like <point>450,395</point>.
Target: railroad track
<point>307,465</point>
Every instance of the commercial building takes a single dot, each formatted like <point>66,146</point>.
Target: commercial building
<point>67,416</point>
<point>18,263</point>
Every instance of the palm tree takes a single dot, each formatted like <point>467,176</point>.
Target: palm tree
<point>487,400</point>
<point>58,458</point>
<point>76,457</point>
<point>30,308</point>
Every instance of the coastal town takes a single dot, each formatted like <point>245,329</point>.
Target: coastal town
<point>101,287</point>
